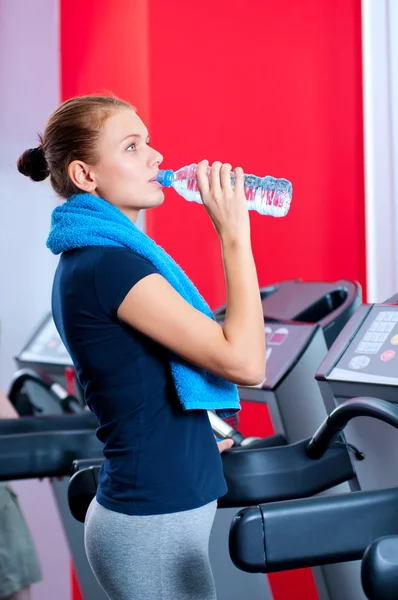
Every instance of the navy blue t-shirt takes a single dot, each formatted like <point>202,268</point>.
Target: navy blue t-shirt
<point>158,458</point>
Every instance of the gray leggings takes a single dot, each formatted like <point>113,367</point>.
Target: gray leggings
<point>155,557</point>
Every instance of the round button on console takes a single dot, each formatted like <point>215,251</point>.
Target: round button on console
<point>387,355</point>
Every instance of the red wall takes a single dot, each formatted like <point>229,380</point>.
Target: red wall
<point>275,87</point>
<point>105,49</point>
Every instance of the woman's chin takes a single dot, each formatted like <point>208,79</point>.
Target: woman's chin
<point>150,201</point>
<point>156,200</point>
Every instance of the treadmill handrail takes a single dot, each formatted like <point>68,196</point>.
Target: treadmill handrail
<point>352,288</point>
<point>274,537</point>
<point>223,429</point>
<point>333,425</point>
<point>69,403</point>
<point>23,375</point>
<point>253,475</point>
<point>64,422</point>
<point>45,454</point>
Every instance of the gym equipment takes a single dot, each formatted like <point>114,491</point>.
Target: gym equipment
<point>301,321</point>
<point>46,446</point>
<point>358,380</point>
<point>363,362</point>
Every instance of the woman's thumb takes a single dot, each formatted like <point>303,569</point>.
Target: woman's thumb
<point>225,445</point>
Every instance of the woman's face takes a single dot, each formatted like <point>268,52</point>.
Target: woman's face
<point>127,167</point>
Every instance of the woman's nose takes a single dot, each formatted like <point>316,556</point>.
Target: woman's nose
<point>158,158</point>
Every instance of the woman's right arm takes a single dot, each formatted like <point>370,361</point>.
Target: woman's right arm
<point>235,350</point>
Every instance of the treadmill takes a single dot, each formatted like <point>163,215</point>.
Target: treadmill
<point>45,445</point>
<point>301,321</point>
<point>358,380</point>
<point>363,362</point>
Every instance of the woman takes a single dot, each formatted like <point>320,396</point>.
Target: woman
<point>147,352</point>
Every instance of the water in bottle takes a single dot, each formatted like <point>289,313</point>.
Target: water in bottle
<point>266,195</point>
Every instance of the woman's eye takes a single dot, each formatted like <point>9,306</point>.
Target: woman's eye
<point>131,147</point>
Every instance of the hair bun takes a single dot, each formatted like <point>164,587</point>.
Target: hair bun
<point>33,164</point>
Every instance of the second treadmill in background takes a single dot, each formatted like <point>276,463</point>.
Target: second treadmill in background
<point>301,321</point>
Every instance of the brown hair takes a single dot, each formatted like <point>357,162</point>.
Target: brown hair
<point>72,133</point>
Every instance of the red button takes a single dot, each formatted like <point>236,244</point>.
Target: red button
<point>387,355</point>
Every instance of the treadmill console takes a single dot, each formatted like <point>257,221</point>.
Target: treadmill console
<point>286,343</point>
<point>371,353</point>
<point>45,347</point>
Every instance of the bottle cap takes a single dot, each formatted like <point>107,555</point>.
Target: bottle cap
<point>165,178</point>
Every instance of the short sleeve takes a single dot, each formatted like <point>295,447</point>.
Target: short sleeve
<point>116,272</point>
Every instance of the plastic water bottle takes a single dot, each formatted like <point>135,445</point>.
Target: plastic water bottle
<point>266,195</point>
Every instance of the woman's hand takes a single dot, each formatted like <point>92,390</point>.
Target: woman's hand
<point>226,204</point>
<point>225,445</point>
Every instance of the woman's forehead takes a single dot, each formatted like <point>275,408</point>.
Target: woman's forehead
<point>123,123</point>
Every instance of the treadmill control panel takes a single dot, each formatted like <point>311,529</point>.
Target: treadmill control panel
<point>378,332</point>
<point>45,346</point>
<point>285,344</point>
<point>372,354</point>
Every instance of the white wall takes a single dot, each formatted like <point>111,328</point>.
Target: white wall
<point>380,70</point>
<point>393,68</point>
<point>29,91</point>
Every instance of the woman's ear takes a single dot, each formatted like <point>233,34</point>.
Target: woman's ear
<point>81,175</point>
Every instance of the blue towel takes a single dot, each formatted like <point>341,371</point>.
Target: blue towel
<point>85,220</point>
